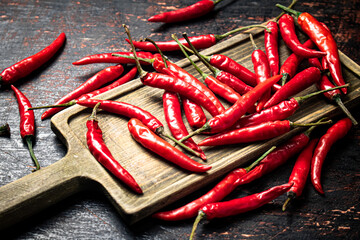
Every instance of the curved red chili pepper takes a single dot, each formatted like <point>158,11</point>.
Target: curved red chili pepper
<point>93,83</point>
<point>27,122</point>
<point>193,113</point>
<point>151,141</point>
<point>183,14</point>
<point>298,83</point>
<point>97,147</point>
<point>262,71</point>
<point>300,172</point>
<point>288,33</point>
<point>26,66</point>
<point>221,89</point>
<point>110,58</point>
<point>271,47</point>
<point>172,112</point>
<point>333,134</point>
<point>323,40</point>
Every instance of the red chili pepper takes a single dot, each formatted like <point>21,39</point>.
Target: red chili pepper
<point>323,40</point>
<point>97,147</point>
<point>4,129</point>
<point>334,95</point>
<point>334,133</point>
<point>172,112</point>
<point>288,33</point>
<point>199,42</point>
<point>290,66</point>
<point>151,141</point>
<point>271,47</point>
<point>93,83</point>
<point>193,112</point>
<point>299,82</point>
<point>26,66</point>
<point>239,205</point>
<point>217,193</point>
<point>300,172</point>
<point>27,122</point>
<point>183,14</point>
<point>262,71</point>
<point>111,58</point>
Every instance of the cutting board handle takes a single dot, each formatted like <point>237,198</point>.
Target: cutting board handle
<point>38,190</point>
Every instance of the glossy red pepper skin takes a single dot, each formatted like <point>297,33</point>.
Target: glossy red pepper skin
<point>233,82</point>
<point>127,110</point>
<point>109,58</point>
<point>333,134</point>
<point>185,89</point>
<point>244,204</point>
<point>221,89</point>
<point>272,47</point>
<point>276,158</point>
<point>154,143</point>
<point>104,76</point>
<point>102,154</point>
<point>262,71</point>
<point>200,42</point>
<point>172,112</point>
<point>326,43</point>
<point>26,66</point>
<point>236,111</point>
<point>229,65</point>
<point>183,14</point>
<point>301,170</point>
<point>288,33</point>
<point>190,210</point>
<point>193,112</point>
<point>299,82</point>
<point>263,131</point>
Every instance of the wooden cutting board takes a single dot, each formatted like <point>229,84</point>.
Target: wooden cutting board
<point>161,181</point>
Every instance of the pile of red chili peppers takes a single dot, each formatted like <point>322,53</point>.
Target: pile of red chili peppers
<point>259,106</point>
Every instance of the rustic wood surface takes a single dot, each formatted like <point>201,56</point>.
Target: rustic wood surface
<point>94,27</point>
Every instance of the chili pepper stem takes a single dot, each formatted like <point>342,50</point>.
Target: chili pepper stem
<point>205,127</point>
<point>286,203</point>
<point>28,140</point>
<point>222,36</point>
<point>216,1</point>
<point>286,9</point>
<point>253,42</point>
<point>199,217</point>
<point>345,110</point>
<point>290,6</point>
<point>131,57</point>
<point>158,49</point>
<point>309,124</point>
<point>285,77</point>
<point>259,159</point>
<point>68,104</point>
<point>94,111</point>
<point>178,142</point>
<point>303,98</point>
<point>308,132</point>
<point>5,130</point>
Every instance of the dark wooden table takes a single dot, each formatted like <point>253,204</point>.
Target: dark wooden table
<point>94,27</point>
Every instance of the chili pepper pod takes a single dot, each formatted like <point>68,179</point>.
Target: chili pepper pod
<point>193,113</point>
<point>172,112</point>
<point>288,33</point>
<point>104,76</point>
<point>26,66</point>
<point>97,147</point>
<point>263,131</point>
<point>272,47</point>
<point>154,143</point>
<point>217,193</point>
<point>27,122</point>
<point>333,134</point>
<point>4,129</point>
<point>112,58</point>
<point>300,172</point>
<point>323,40</point>
<point>239,205</point>
<point>299,82</point>
<point>262,71</point>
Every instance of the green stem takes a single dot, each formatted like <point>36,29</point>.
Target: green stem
<point>290,6</point>
<point>308,132</point>
<point>286,203</point>
<point>131,57</point>
<point>259,159</point>
<point>94,111</point>
<point>5,130</point>
<point>200,216</point>
<point>180,144</point>
<point>28,140</point>
<point>205,127</point>
<point>345,110</point>
<point>158,49</point>
<point>216,1</point>
<point>309,124</point>
<point>303,98</point>
<point>222,36</point>
<point>68,104</point>
<point>286,9</point>
<point>284,78</point>
<point>253,42</point>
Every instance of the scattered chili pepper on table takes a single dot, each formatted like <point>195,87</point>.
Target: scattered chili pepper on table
<point>272,47</point>
<point>333,134</point>
<point>28,65</point>
<point>97,147</point>
<point>27,123</point>
<point>112,58</point>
